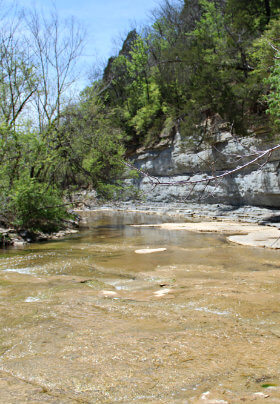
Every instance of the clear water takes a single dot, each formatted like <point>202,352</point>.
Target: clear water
<point>86,319</point>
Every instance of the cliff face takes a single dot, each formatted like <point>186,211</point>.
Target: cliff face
<point>257,185</point>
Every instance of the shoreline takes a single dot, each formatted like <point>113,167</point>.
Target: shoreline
<point>265,220</point>
<point>247,234</point>
<point>247,225</point>
<point>218,212</point>
<point>11,238</point>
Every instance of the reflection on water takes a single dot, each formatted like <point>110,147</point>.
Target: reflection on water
<point>86,318</point>
<point>108,244</point>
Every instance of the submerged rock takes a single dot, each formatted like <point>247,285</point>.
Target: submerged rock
<point>162,292</point>
<point>149,250</point>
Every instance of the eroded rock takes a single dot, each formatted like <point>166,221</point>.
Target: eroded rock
<point>192,160</point>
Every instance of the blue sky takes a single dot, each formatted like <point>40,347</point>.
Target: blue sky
<point>104,20</point>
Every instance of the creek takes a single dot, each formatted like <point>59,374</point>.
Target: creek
<point>88,320</point>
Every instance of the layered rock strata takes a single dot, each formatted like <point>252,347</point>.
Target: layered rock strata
<point>257,184</point>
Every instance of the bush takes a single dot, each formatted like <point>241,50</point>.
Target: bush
<point>36,206</point>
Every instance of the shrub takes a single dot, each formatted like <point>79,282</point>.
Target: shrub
<point>36,206</point>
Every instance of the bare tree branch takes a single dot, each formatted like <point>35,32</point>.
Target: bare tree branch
<point>56,44</point>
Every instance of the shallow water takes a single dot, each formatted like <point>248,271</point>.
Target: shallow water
<point>87,320</point>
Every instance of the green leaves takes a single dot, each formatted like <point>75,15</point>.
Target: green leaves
<point>266,75</point>
<point>197,59</point>
<point>36,206</point>
<point>273,98</point>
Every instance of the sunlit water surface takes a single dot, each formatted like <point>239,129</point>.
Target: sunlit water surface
<point>87,320</point>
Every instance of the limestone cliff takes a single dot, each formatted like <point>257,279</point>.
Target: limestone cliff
<point>216,151</point>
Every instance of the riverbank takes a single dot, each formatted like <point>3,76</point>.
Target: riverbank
<point>246,225</point>
<point>193,212</point>
<point>12,236</point>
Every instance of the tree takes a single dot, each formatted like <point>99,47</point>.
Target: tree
<point>37,63</point>
<point>56,45</point>
<point>93,149</point>
<point>18,76</point>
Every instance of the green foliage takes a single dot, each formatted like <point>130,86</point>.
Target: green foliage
<point>273,98</point>
<point>144,97</point>
<point>147,111</point>
<point>266,74</point>
<point>198,58</point>
<point>104,164</point>
<point>36,206</point>
<point>263,52</point>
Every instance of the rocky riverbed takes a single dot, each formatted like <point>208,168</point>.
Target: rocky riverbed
<point>88,320</point>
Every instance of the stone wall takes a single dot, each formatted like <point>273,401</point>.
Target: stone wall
<point>255,185</point>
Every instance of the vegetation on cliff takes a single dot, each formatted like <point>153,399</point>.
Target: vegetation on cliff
<point>198,58</point>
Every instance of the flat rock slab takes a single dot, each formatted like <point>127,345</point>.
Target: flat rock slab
<point>210,227</point>
<point>241,233</point>
<point>162,292</point>
<point>150,250</point>
<point>269,238</point>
